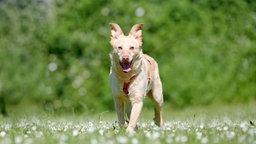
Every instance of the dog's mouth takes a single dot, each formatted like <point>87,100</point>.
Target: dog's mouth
<point>126,66</point>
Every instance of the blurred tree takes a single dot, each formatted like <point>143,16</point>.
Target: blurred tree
<point>3,106</point>
<point>55,53</point>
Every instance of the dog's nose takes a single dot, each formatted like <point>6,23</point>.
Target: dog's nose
<point>125,58</point>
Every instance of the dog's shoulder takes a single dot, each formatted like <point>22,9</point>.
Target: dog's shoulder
<point>152,67</point>
<point>149,59</point>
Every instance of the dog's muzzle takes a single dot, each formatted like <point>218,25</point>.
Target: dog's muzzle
<point>126,66</point>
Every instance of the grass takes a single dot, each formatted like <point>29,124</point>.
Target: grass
<point>227,124</point>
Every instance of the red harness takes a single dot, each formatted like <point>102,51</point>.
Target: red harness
<point>126,85</point>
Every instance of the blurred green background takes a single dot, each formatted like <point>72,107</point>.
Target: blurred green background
<point>54,53</point>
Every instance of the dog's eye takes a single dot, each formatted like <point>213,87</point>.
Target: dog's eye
<point>132,48</point>
<point>119,48</point>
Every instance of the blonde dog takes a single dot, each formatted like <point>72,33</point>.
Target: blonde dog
<point>133,76</point>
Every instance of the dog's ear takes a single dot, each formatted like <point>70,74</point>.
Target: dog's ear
<point>136,32</point>
<point>116,31</point>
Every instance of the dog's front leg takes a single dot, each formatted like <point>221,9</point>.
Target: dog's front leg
<point>119,104</point>
<point>135,112</point>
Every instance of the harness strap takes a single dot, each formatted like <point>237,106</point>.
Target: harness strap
<point>125,87</point>
<point>127,84</point>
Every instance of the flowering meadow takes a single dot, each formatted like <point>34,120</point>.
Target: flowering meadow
<point>200,126</point>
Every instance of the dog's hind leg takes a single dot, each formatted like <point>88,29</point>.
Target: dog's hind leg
<point>156,96</point>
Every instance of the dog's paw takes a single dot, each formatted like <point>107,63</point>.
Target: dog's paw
<point>126,123</point>
<point>130,131</point>
<point>159,122</point>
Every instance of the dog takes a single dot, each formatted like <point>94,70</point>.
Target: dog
<point>133,76</point>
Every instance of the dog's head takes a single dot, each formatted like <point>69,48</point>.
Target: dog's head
<point>126,49</point>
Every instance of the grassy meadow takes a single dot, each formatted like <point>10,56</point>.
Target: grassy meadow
<point>54,67</point>
<point>232,124</point>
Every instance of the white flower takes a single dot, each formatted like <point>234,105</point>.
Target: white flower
<point>90,129</point>
<point>201,126</point>
<point>169,140</point>
<point>230,135</point>
<point>63,139</point>
<point>244,126</point>
<point>101,131</point>
<point>2,133</point>
<point>33,128</point>
<point>75,132</point>
<point>18,139</point>
<point>204,140</point>
<point>148,134</point>
<point>28,132</point>
<point>155,135</point>
<point>143,125</point>
<point>116,131</point>
<point>7,127</point>
<point>225,128</point>
<point>94,141</point>
<point>38,134</point>
<point>183,139</point>
<point>90,124</point>
<point>122,139</point>
<point>199,135</point>
<point>135,141</point>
